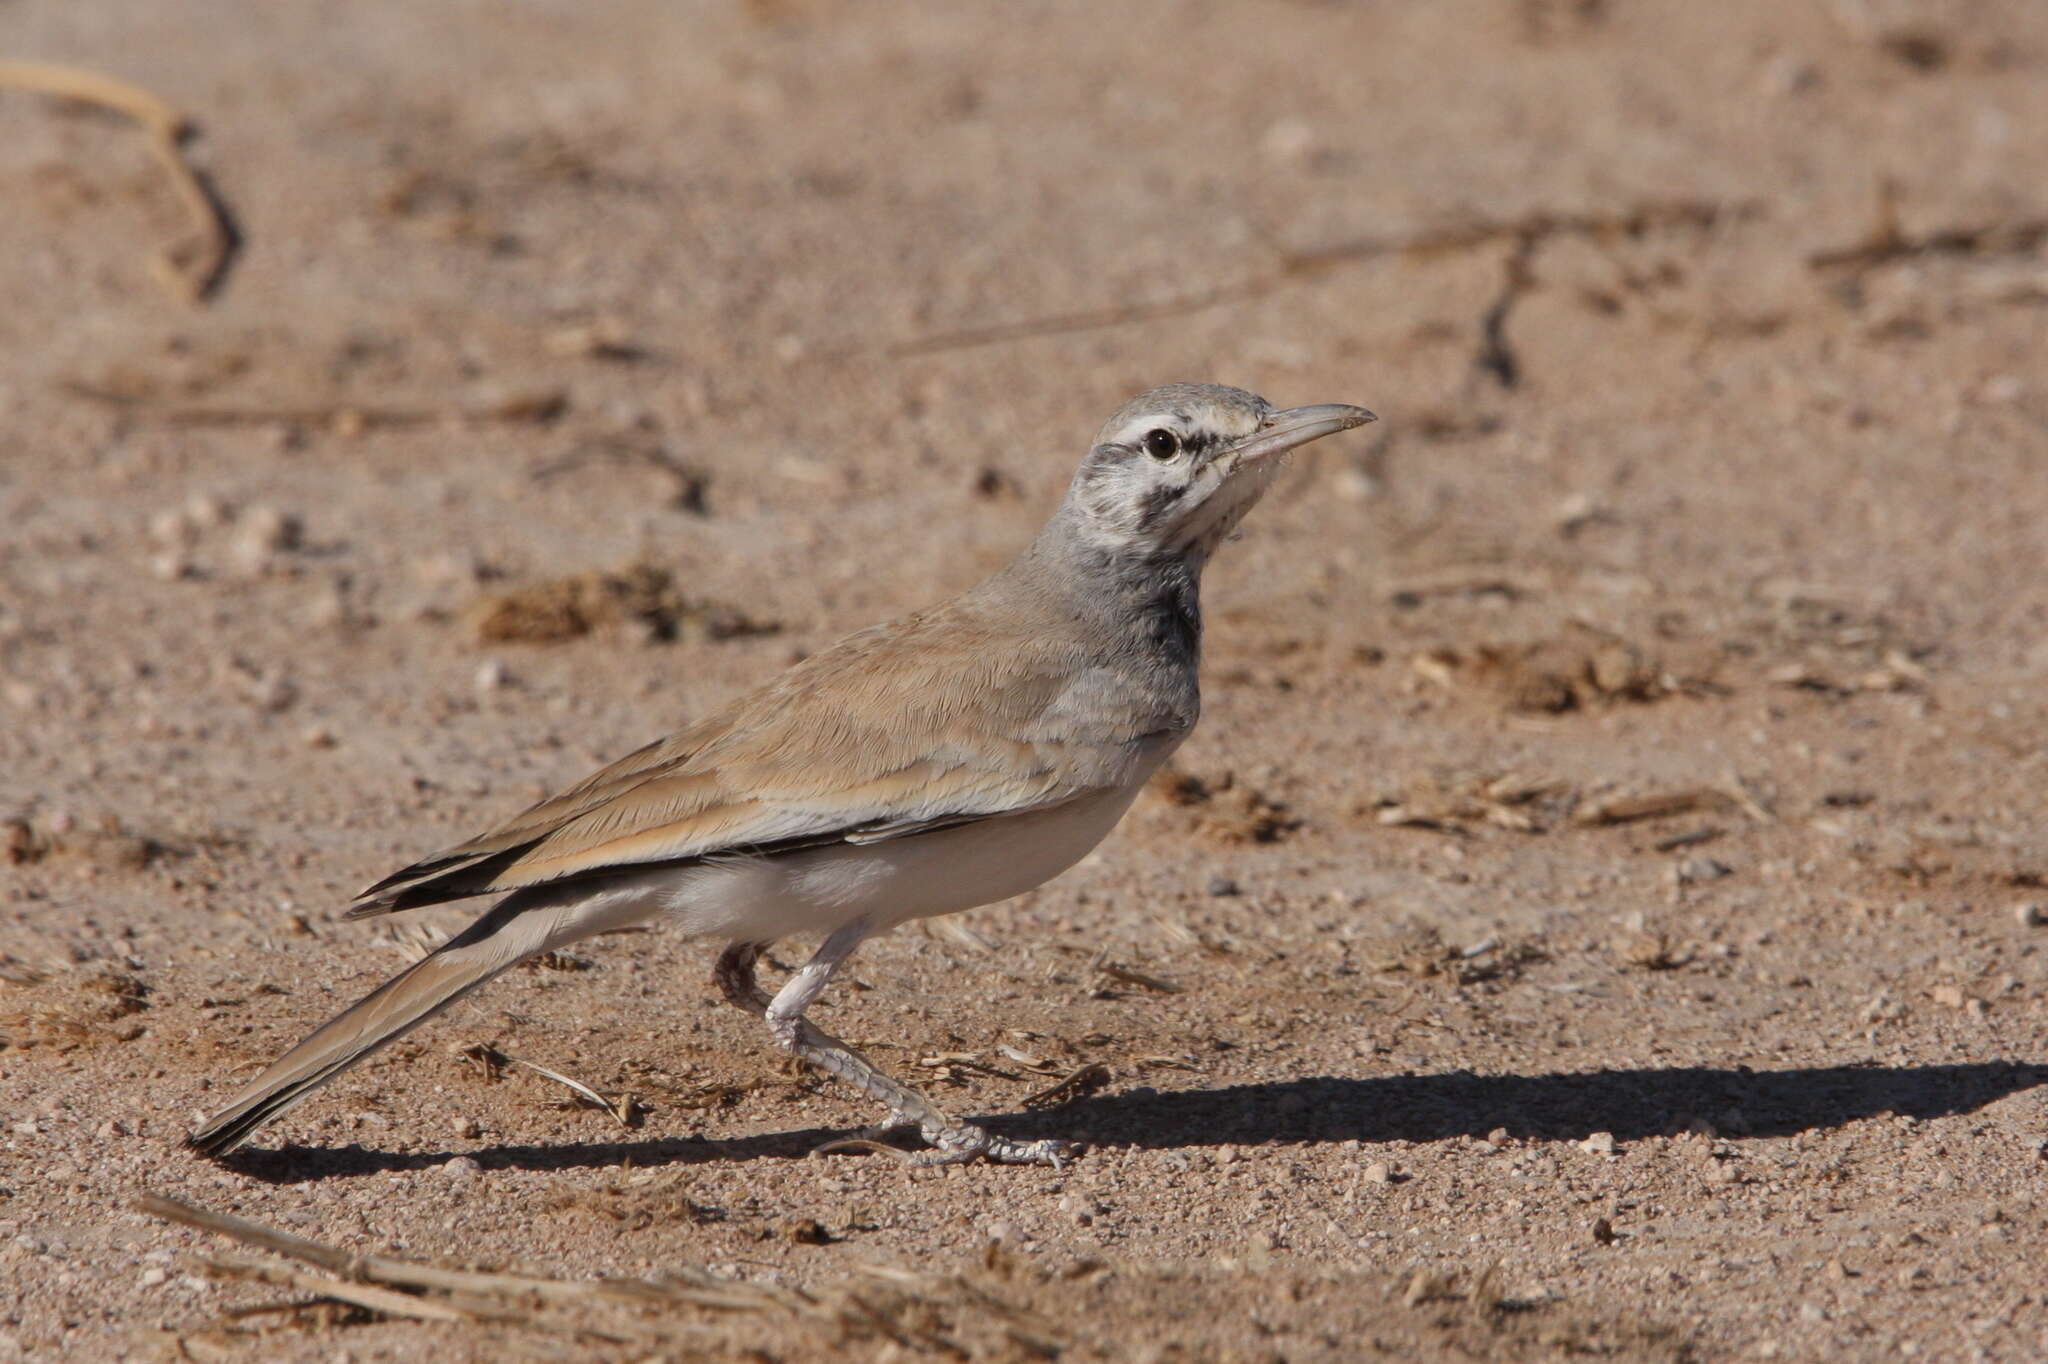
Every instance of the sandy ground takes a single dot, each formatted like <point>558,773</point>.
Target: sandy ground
<point>1594,915</point>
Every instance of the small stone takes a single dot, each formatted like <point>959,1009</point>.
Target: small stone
<point>1289,142</point>
<point>1603,1231</point>
<point>319,737</point>
<point>1004,1231</point>
<point>1379,1172</point>
<point>273,692</point>
<point>170,567</point>
<point>173,529</point>
<point>263,533</point>
<point>492,674</point>
<point>462,1167</point>
<point>1598,1144</point>
<point>468,1129</point>
<point>151,1277</point>
<point>2032,914</point>
<point>1226,1154</point>
<point>1695,871</point>
<point>1082,1210</point>
<point>271,529</point>
<point>1497,1138</point>
<point>1224,886</point>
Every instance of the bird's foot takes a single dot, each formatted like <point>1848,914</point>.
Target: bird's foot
<point>966,1142</point>
<point>961,1144</point>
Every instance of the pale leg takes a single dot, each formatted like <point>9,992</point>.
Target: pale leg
<point>955,1140</point>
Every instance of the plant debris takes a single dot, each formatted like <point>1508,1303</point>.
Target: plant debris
<point>69,1010</point>
<point>1223,810</point>
<point>641,594</point>
<point>1554,676</point>
<point>1079,1085</point>
<point>624,1107</point>
<point>194,267</point>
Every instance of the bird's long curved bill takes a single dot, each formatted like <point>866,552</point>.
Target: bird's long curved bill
<point>1297,426</point>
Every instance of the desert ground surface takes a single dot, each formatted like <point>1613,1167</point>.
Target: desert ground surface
<point>1601,913</point>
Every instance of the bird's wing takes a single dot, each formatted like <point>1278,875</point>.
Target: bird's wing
<point>895,731</point>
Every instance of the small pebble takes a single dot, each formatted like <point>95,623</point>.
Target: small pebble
<point>468,1129</point>
<point>1695,871</point>
<point>2032,914</point>
<point>173,529</point>
<point>462,1167</point>
<point>273,692</point>
<point>1603,1231</point>
<point>1599,1144</point>
<point>261,535</point>
<point>1379,1172</point>
<point>492,674</point>
<point>1223,885</point>
<point>153,1276</point>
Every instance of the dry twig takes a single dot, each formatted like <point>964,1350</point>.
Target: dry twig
<point>1628,809</point>
<point>1526,232</point>
<point>624,1106</point>
<point>1081,1083</point>
<point>1156,984</point>
<point>191,269</point>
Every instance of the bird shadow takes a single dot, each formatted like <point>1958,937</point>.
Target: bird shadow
<point>1738,1103</point>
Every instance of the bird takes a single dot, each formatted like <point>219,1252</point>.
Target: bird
<point>956,757</point>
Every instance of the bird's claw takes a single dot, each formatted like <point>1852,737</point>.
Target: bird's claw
<point>962,1146</point>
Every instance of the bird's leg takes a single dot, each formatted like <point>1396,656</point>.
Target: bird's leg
<point>955,1140</point>
<point>734,974</point>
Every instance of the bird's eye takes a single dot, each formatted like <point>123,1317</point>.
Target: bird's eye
<point>1161,443</point>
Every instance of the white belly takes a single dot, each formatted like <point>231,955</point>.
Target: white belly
<point>887,883</point>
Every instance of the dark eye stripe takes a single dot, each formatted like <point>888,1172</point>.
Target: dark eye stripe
<point>1157,502</point>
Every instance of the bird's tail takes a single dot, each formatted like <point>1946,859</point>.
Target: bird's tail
<point>524,924</point>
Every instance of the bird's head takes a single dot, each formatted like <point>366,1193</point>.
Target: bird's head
<point>1175,470</point>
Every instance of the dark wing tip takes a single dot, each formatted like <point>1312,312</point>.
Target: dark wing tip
<point>224,1134</point>
<point>436,880</point>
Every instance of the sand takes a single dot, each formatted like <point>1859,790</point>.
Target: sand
<point>1602,910</point>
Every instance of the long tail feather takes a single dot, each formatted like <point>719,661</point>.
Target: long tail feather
<point>514,930</point>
